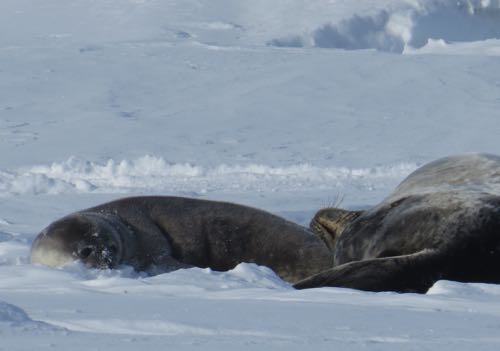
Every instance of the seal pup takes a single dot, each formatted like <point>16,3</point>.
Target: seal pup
<point>441,222</point>
<point>161,234</point>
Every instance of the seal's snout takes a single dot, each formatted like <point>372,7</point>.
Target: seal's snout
<point>98,255</point>
<point>77,238</point>
<point>329,223</point>
<point>49,252</point>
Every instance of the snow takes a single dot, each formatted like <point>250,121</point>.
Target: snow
<point>286,105</point>
<point>150,174</point>
<point>413,25</point>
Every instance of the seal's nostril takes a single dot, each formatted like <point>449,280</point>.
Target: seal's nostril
<point>85,252</point>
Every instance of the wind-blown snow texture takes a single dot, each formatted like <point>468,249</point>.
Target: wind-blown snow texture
<point>284,105</point>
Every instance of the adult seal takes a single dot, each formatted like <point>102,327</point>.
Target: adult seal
<point>161,234</point>
<point>442,222</point>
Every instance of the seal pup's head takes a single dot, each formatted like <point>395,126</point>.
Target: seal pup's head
<point>95,239</point>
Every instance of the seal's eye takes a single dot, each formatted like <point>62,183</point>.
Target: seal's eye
<point>113,249</point>
<point>85,252</point>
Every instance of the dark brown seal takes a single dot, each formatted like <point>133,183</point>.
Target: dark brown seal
<point>442,222</point>
<point>161,234</point>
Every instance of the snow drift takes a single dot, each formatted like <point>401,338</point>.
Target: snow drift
<point>150,173</point>
<point>406,26</point>
<point>15,319</point>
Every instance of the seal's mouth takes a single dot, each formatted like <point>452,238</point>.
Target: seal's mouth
<point>324,230</point>
<point>319,226</point>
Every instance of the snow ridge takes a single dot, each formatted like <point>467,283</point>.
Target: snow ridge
<point>154,173</point>
<point>17,319</point>
<point>407,26</point>
<point>13,314</point>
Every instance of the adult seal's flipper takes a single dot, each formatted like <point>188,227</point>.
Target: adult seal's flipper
<point>409,273</point>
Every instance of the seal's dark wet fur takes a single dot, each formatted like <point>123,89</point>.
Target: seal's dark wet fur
<point>160,234</point>
<point>442,222</point>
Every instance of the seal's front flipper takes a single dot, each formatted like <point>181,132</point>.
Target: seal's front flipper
<point>409,273</point>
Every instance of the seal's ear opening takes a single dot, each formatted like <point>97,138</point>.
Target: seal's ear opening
<point>329,223</point>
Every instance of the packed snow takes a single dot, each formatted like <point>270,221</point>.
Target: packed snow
<point>286,105</point>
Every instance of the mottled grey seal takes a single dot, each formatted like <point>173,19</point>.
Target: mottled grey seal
<point>161,234</point>
<point>442,222</point>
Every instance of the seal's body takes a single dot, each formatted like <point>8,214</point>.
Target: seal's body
<point>442,222</point>
<point>161,234</point>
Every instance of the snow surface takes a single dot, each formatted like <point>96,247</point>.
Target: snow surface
<point>284,105</point>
